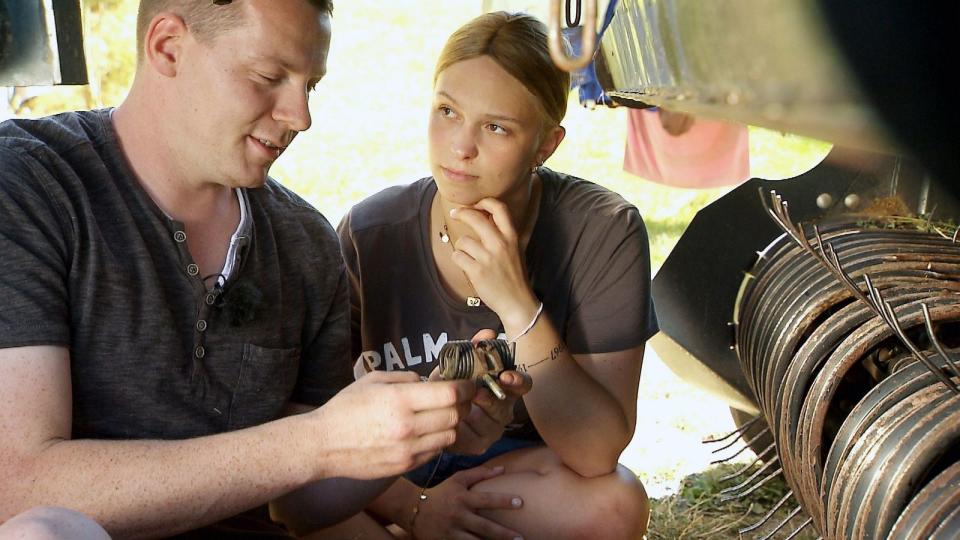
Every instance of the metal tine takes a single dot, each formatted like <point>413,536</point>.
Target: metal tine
<point>757,473</point>
<point>802,526</point>
<point>781,215</point>
<point>731,443</point>
<point>774,474</point>
<point>891,319</point>
<point>745,446</point>
<point>741,429</point>
<point>786,520</point>
<point>767,517</point>
<point>936,342</point>
<point>751,464</point>
<point>845,279</point>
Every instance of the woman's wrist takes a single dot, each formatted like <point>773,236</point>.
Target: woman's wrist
<point>518,319</point>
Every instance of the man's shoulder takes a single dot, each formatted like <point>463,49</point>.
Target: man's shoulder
<point>290,213</point>
<point>59,133</point>
<point>390,207</point>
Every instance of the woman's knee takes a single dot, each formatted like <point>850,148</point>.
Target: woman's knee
<point>619,509</point>
<point>52,523</point>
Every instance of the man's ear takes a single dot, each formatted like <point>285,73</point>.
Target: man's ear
<point>550,142</point>
<point>162,43</point>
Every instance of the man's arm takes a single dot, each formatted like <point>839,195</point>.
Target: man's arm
<point>375,428</point>
<point>326,502</point>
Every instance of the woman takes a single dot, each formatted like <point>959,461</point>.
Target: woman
<point>558,265</point>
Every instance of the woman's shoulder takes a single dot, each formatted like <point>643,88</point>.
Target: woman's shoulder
<point>571,194</point>
<point>391,206</point>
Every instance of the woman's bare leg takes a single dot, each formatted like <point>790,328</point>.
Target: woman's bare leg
<point>560,504</point>
<point>359,527</point>
<point>51,523</point>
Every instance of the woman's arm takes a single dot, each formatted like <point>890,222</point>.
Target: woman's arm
<point>583,406</point>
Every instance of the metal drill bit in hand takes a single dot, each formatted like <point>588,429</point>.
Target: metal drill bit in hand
<point>481,362</point>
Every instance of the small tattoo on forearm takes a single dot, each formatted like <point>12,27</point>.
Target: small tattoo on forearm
<point>555,353</point>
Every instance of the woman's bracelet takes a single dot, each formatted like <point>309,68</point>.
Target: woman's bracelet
<point>533,322</point>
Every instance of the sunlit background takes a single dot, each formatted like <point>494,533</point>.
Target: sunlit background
<point>369,132</point>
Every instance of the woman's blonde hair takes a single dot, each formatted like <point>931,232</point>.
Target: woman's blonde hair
<point>517,42</point>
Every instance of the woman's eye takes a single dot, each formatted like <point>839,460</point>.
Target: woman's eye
<point>496,128</point>
<point>445,111</point>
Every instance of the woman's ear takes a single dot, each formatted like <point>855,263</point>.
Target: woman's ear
<point>162,43</point>
<point>551,140</point>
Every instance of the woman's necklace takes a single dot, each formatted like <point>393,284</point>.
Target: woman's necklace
<point>472,301</point>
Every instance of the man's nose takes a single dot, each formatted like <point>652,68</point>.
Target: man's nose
<point>293,109</point>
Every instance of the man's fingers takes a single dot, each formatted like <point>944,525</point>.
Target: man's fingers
<point>429,445</point>
<point>423,396</point>
<point>389,377</point>
<point>435,420</point>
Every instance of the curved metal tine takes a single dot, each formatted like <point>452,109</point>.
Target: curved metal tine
<point>758,472</point>
<point>740,451</point>
<point>936,342</point>
<point>751,464</point>
<point>741,429</point>
<point>733,442</point>
<point>837,270</point>
<point>891,319</point>
<point>756,486</point>
<point>775,211</point>
<point>802,526</point>
<point>767,517</point>
<point>786,520</point>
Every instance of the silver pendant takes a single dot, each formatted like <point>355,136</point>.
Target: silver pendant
<point>444,237</point>
<point>473,301</point>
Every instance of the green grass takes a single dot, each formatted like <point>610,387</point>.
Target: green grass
<point>696,511</point>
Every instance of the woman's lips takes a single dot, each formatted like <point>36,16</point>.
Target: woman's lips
<point>457,176</point>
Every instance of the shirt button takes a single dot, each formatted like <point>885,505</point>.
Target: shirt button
<point>193,269</point>
<point>210,299</point>
<point>180,237</point>
<point>201,326</point>
<point>200,352</point>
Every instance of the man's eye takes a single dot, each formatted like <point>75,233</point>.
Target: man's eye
<point>445,111</point>
<point>496,128</point>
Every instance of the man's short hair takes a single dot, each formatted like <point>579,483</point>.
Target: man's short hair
<point>205,18</point>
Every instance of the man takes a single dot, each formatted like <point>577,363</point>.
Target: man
<point>171,318</point>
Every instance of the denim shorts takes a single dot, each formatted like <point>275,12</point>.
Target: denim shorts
<point>453,463</point>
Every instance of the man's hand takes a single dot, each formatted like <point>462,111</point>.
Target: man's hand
<point>450,510</point>
<point>386,424</point>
